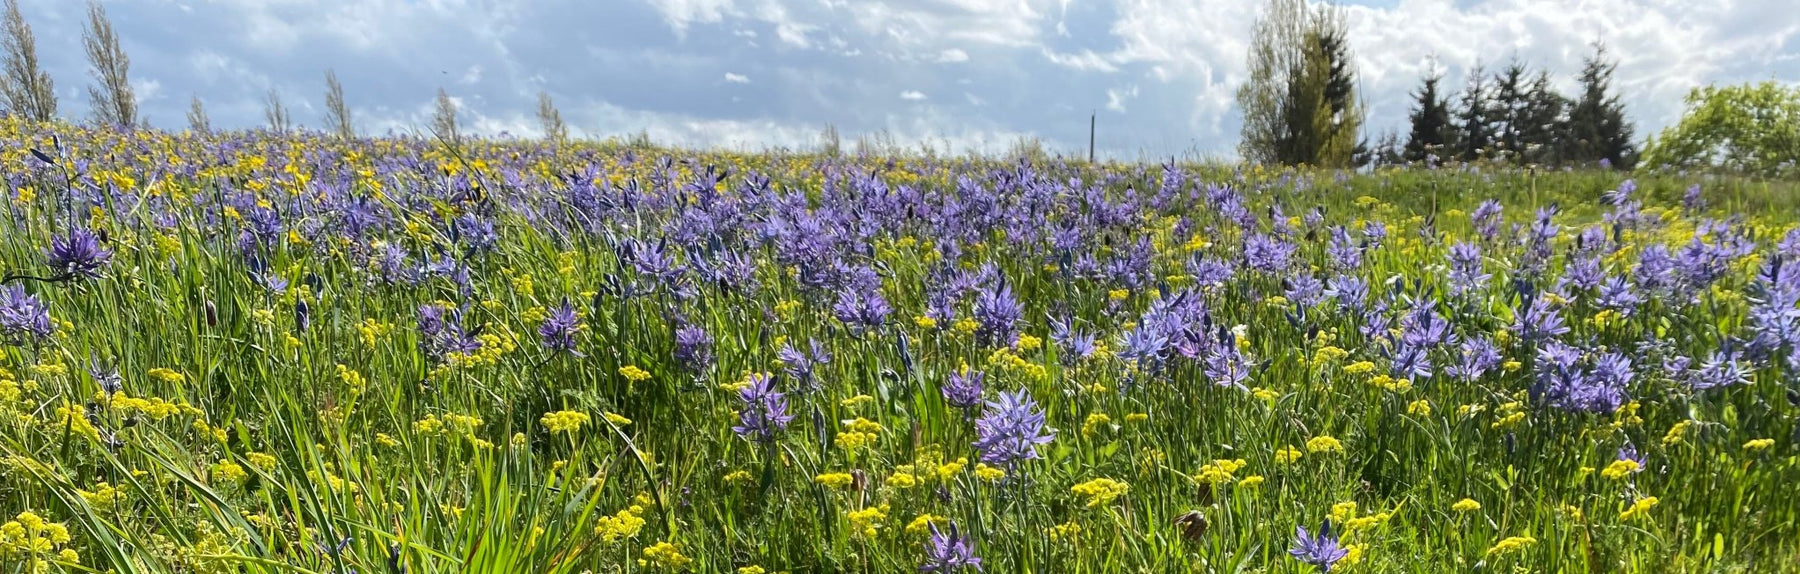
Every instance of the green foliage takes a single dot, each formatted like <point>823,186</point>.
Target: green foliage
<point>1748,129</point>
<point>1300,104</point>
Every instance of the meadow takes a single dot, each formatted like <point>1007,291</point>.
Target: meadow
<point>251,352</point>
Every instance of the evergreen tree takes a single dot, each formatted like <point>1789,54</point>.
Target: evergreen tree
<point>1430,121</point>
<point>1597,129</point>
<point>1473,116</point>
<point>1512,91</point>
<point>1542,123</point>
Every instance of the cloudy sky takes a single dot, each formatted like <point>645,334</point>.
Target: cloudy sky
<point>962,74</point>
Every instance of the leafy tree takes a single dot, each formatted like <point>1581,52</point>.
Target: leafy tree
<point>1431,131</point>
<point>1747,128</point>
<point>1300,104</point>
<point>28,89</point>
<point>1597,129</point>
<point>111,95</point>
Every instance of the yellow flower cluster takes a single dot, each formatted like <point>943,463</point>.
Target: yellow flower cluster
<point>1219,471</point>
<point>563,421</point>
<point>1511,544</point>
<point>623,525</point>
<point>1619,469</point>
<point>1466,505</point>
<point>869,521</point>
<point>634,374</point>
<point>1288,454</point>
<point>104,496</point>
<point>1639,508</point>
<point>29,538</point>
<point>858,433</point>
<point>1323,443</point>
<point>1095,423</point>
<point>664,555</point>
<point>837,480</point>
<point>1100,491</point>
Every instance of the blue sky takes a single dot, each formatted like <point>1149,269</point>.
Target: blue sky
<point>959,74</point>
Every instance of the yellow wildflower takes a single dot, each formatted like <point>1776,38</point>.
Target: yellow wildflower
<point>563,421</point>
<point>1100,491</point>
<point>1324,443</point>
<point>1511,544</point>
<point>1639,508</point>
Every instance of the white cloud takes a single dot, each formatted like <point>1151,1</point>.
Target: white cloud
<point>1116,98</point>
<point>1166,70</point>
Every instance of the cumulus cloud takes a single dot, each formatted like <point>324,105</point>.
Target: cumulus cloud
<point>1164,70</point>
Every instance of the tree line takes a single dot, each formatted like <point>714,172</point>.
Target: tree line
<point>29,92</point>
<point>1301,106</point>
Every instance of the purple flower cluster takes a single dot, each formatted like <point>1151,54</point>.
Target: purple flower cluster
<point>764,413</point>
<point>1011,430</point>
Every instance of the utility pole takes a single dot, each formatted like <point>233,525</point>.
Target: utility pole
<point>1091,116</point>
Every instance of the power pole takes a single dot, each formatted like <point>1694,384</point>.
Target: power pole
<point>1091,116</point>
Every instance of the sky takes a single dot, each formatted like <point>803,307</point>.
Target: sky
<point>1159,76</point>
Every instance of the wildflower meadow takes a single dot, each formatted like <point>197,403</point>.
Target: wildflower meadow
<point>262,352</point>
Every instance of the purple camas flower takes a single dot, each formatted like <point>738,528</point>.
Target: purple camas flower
<point>1561,381</point>
<point>441,332</point>
<point>1225,365</point>
<point>22,316</point>
<point>558,329</point>
<point>1476,357</point>
<point>1210,271</point>
<point>997,313</point>
<point>949,553</point>
<point>1722,368</point>
<point>1538,320</point>
<point>1486,219</point>
<point>1321,551</point>
<point>1304,290</point>
<point>1691,201</point>
<point>1266,253</point>
<point>1466,268</point>
<point>963,389</point>
<point>1072,344</point>
<point>78,254</point>
<point>801,365</point>
<point>1345,254</point>
<point>1410,362</point>
<point>861,311</point>
<point>1011,430</point>
<point>1618,294</point>
<point>1423,328</point>
<point>693,348</point>
<point>765,410</point>
<point>1349,290</point>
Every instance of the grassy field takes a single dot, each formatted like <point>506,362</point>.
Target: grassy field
<point>259,353</point>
